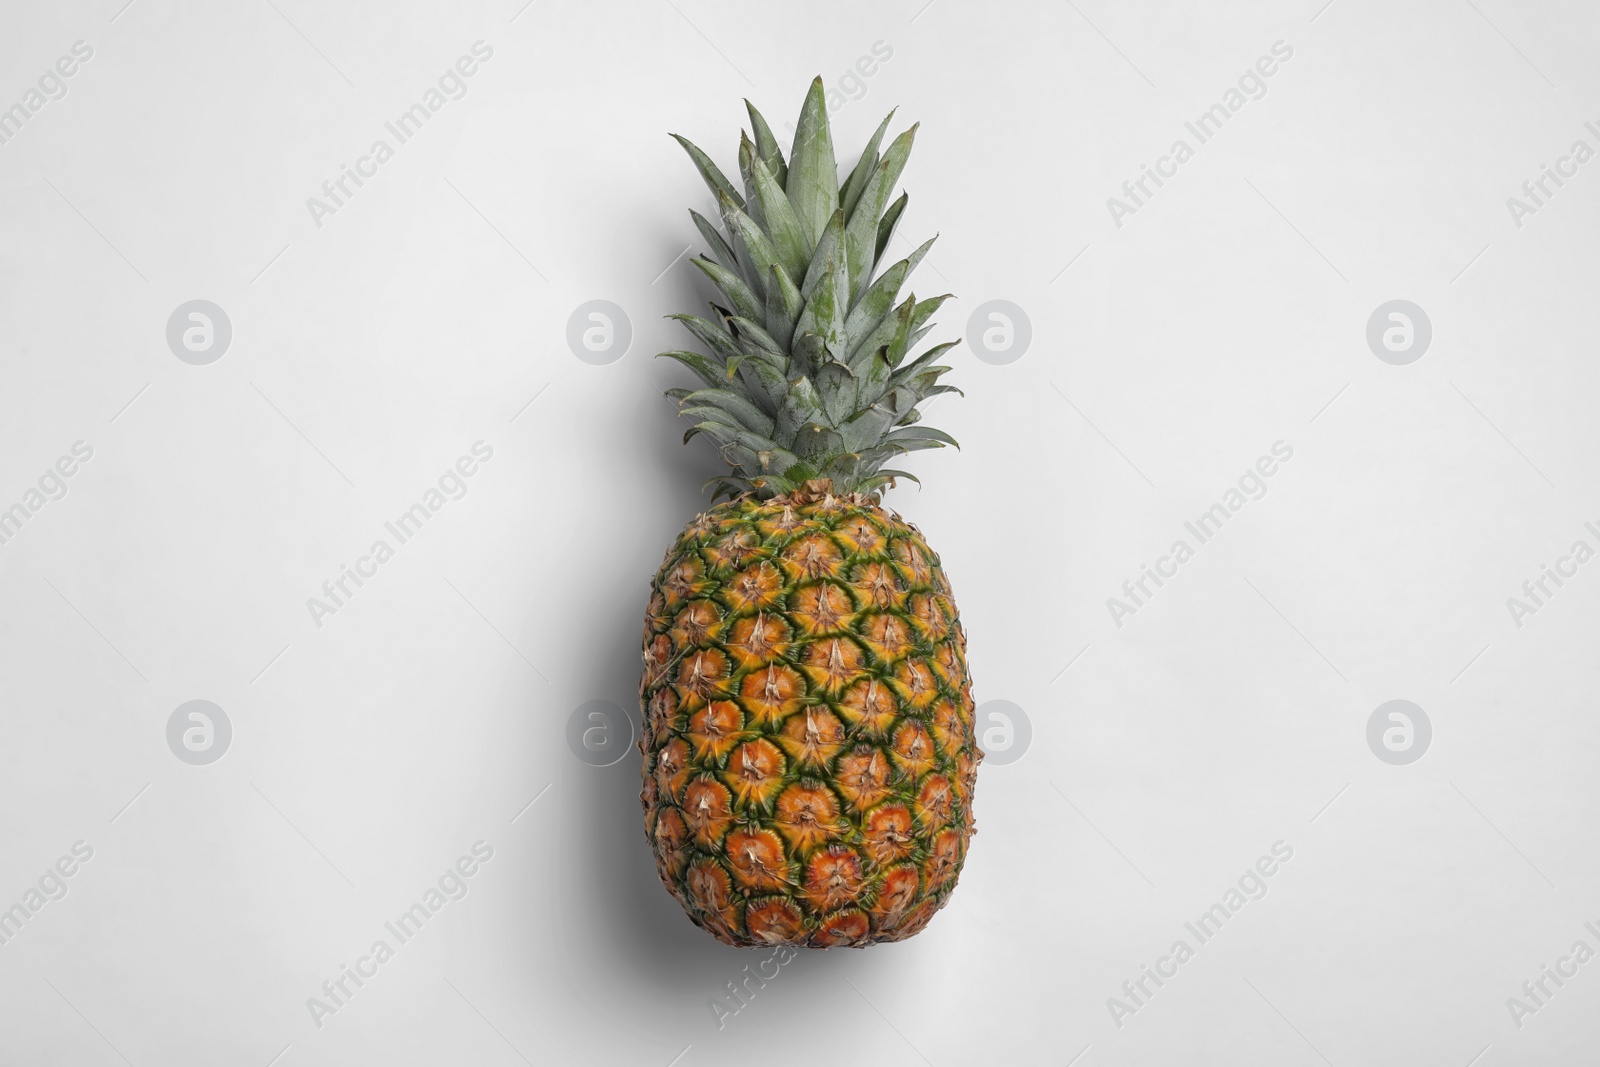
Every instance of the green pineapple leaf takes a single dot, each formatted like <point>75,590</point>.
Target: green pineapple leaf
<point>707,370</point>
<point>813,185</point>
<point>886,476</point>
<point>882,337</point>
<point>784,305</point>
<point>750,243</point>
<point>752,334</point>
<point>861,235</point>
<point>878,299</point>
<point>802,406</point>
<point>715,180</point>
<point>732,285</point>
<point>932,438</point>
<point>719,247</point>
<point>886,225</point>
<point>837,387</point>
<point>807,353</point>
<point>788,237</point>
<point>863,169</point>
<point>748,415</point>
<point>826,289</point>
<point>767,145</point>
<point>711,336</point>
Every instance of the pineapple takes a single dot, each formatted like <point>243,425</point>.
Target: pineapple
<point>809,758</point>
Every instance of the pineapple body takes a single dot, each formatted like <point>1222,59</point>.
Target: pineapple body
<point>809,758</point>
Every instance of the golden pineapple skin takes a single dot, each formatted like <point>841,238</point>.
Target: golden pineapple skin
<point>809,756</point>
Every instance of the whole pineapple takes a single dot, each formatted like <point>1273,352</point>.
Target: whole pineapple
<point>809,759</point>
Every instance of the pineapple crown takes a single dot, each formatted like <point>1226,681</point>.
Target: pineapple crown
<point>806,375</point>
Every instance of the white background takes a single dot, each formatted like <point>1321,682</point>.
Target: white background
<point>1168,353</point>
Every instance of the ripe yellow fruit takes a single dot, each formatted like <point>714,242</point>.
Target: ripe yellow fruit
<point>809,758</point>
